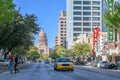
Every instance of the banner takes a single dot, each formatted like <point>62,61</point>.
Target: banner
<point>110,4</point>
<point>95,38</point>
<point>95,34</point>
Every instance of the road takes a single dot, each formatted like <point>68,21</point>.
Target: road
<point>41,71</point>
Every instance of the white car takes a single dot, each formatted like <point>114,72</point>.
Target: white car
<point>102,64</point>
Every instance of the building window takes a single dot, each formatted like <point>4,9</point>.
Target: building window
<point>61,34</point>
<point>96,8</point>
<point>86,8</point>
<point>86,24</point>
<point>96,18</point>
<point>86,2</point>
<point>96,3</point>
<point>96,24</point>
<point>61,31</point>
<point>77,18</point>
<point>61,28</point>
<point>86,13</point>
<point>96,13</point>
<point>77,29</point>
<point>87,18</point>
<point>77,8</point>
<point>61,21</point>
<point>61,24</point>
<point>77,23</point>
<point>77,13</point>
<point>77,2</point>
<point>86,29</point>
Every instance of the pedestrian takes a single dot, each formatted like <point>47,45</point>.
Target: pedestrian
<point>10,59</point>
<point>16,64</point>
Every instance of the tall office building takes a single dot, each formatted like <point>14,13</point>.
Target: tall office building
<point>56,40</point>
<point>82,17</point>
<point>62,29</point>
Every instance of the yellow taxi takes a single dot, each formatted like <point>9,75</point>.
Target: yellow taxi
<point>63,64</point>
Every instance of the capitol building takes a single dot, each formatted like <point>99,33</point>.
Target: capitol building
<point>42,43</point>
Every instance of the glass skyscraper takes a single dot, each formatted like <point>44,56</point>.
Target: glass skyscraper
<point>82,17</point>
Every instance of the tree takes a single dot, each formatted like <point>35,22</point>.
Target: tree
<point>112,19</point>
<point>33,53</point>
<point>16,31</point>
<point>58,51</point>
<point>80,49</point>
<point>7,10</point>
<point>45,56</point>
<point>21,32</point>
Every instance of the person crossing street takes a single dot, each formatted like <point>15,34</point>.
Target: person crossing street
<point>16,64</point>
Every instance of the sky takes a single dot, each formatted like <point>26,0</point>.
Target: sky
<point>47,12</point>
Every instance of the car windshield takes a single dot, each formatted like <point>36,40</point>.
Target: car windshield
<point>63,60</point>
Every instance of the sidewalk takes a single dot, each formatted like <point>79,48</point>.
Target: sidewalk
<point>4,69</point>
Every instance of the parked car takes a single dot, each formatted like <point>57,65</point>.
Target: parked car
<point>63,64</point>
<point>47,62</point>
<point>103,64</point>
<point>112,66</point>
<point>79,63</point>
<point>53,61</point>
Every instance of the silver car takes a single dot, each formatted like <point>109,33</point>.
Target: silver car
<point>102,64</point>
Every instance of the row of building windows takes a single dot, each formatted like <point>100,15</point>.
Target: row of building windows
<point>86,24</point>
<point>85,8</point>
<point>63,22</point>
<point>87,18</point>
<point>87,2</point>
<point>79,29</point>
<point>63,34</point>
<point>63,38</point>
<point>63,28</point>
<point>63,31</point>
<point>86,13</point>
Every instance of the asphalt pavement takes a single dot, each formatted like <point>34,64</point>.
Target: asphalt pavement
<point>41,71</point>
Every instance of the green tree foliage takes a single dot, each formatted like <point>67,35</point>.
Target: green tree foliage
<point>7,9</point>
<point>33,53</point>
<point>112,19</point>
<point>46,57</point>
<point>16,31</point>
<point>80,49</point>
<point>58,51</point>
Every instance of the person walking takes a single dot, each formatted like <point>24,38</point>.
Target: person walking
<point>10,65</point>
<point>16,64</point>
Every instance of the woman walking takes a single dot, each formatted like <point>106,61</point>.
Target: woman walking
<point>10,58</point>
<point>16,64</point>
